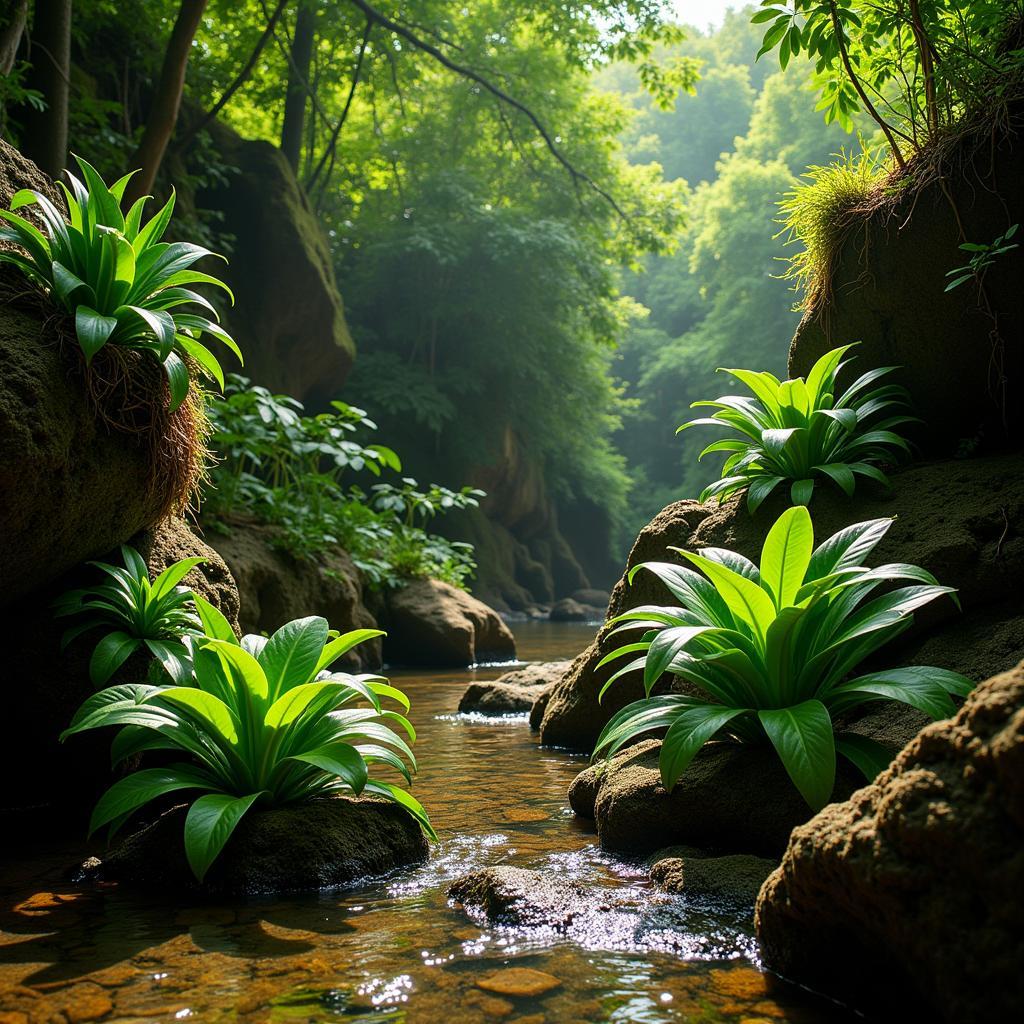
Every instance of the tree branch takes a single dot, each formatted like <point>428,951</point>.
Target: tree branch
<point>407,34</point>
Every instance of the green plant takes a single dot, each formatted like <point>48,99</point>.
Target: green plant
<point>796,430</point>
<point>770,648</point>
<point>263,721</point>
<point>137,613</point>
<point>982,257</point>
<point>300,474</point>
<point>122,284</point>
<point>818,212</point>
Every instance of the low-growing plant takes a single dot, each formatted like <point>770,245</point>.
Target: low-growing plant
<point>122,284</point>
<point>263,722</point>
<point>137,613</point>
<point>796,430</point>
<point>770,650</point>
<point>301,474</point>
<point>981,256</point>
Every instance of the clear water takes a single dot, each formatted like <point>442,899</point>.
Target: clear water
<point>394,950</point>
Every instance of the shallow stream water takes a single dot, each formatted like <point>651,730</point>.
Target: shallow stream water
<point>394,950</point>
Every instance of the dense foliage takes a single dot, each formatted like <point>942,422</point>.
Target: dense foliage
<point>302,474</point>
<point>123,285</point>
<point>770,650</point>
<point>262,722</point>
<point>794,431</point>
<point>138,614</point>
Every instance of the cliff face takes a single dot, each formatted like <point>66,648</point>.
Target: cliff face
<point>962,351</point>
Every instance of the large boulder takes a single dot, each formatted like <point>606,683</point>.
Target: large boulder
<point>911,893</point>
<point>962,519</point>
<point>300,847</point>
<point>433,623</point>
<point>275,587</point>
<point>288,314</point>
<point>888,292</point>
<point>514,692</point>
<point>70,487</point>
<point>47,686</point>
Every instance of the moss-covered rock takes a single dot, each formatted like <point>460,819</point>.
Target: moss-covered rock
<point>297,848</point>
<point>288,314</point>
<point>888,292</point>
<point>907,899</point>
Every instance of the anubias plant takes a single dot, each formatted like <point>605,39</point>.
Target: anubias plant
<point>137,613</point>
<point>122,284</point>
<point>770,651</point>
<point>796,430</point>
<point>263,722</point>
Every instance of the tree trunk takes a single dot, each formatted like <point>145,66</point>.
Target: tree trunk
<point>13,15</point>
<point>163,111</point>
<point>45,135</point>
<point>298,83</point>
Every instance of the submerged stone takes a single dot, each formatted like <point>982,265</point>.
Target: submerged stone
<point>519,896</point>
<point>514,692</point>
<point>519,982</point>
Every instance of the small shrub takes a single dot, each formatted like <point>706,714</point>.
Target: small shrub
<point>137,614</point>
<point>301,474</point>
<point>770,649</point>
<point>262,722</point>
<point>120,282</point>
<point>797,430</point>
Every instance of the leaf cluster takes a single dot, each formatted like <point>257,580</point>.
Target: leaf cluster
<point>796,431</point>
<point>770,649</point>
<point>112,272</point>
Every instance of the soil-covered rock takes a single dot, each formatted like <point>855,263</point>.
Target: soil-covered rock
<point>70,487</point>
<point>736,877</point>
<point>514,692</point>
<point>912,891</point>
<point>288,313</point>
<point>301,847</point>
<point>49,687</point>
<point>275,587</point>
<point>518,896</point>
<point>433,623</point>
<point>888,292</point>
<point>962,519</point>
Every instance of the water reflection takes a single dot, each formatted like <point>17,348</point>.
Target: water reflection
<point>394,950</point>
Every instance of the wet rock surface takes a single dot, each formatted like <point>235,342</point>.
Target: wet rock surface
<point>299,848</point>
<point>433,623</point>
<point>874,893</point>
<point>963,520</point>
<point>514,692</point>
<point>519,896</point>
<point>734,877</point>
<point>275,587</point>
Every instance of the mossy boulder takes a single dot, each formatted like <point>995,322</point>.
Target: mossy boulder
<point>874,893</point>
<point>962,351</point>
<point>288,315</point>
<point>70,487</point>
<point>297,848</point>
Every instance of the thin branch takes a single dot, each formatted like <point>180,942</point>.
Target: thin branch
<point>239,80</point>
<point>332,143</point>
<point>407,34</point>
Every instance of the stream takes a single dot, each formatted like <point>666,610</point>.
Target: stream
<point>394,950</point>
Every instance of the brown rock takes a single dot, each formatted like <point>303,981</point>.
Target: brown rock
<point>514,692</point>
<point>434,623</point>
<point>301,847</point>
<point>519,982</point>
<point>518,896</point>
<point>912,891</point>
<point>568,610</point>
<point>737,877</point>
<point>963,520</point>
<point>275,587</point>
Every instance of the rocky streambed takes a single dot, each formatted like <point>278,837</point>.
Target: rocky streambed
<point>597,941</point>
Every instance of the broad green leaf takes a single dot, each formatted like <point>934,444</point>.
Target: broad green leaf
<point>745,599</point>
<point>215,624</point>
<point>177,379</point>
<point>135,790</point>
<point>343,644</point>
<point>802,737</point>
<point>690,731</point>
<point>208,826</point>
<point>173,575</point>
<point>93,330</point>
<point>110,654</point>
<point>786,554</point>
<point>404,799</point>
<point>913,686</point>
<point>212,712</point>
<point>869,757</point>
<point>339,759</point>
<point>292,655</point>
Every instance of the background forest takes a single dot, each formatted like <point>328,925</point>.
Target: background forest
<point>549,226</point>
